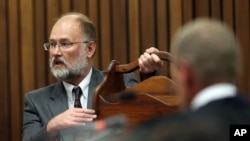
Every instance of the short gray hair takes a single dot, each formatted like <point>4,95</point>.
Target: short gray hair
<point>211,48</point>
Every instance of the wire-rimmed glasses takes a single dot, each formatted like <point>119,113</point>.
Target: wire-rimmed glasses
<point>62,45</point>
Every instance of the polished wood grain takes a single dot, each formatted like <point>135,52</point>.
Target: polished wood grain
<point>152,97</point>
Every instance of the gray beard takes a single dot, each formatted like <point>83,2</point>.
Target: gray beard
<point>71,71</point>
<point>65,74</point>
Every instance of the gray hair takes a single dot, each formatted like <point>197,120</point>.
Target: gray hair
<point>211,48</point>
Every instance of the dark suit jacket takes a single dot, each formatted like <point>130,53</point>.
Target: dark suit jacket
<point>45,103</point>
<point>208,123</point>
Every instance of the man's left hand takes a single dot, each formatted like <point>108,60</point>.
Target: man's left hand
<point>149,62</point>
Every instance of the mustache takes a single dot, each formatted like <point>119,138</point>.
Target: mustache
<point>56,60</point>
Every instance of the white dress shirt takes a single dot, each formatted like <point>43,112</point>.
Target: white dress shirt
<point>211,93</point>
<point>84,84</point>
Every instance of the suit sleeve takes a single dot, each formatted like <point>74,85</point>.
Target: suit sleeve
<point>33,129</point>
<point>144,76</point>
<point>130,79</point>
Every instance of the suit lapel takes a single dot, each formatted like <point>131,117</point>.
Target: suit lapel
<point>96,78</point>
<point>59,101</point>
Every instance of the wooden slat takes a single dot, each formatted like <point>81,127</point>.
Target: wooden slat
<point>94,16</point>
<point>175,19</point>
<point>147,24</point>
<point>53,12</point>
<point>4,112</point>
<point>119,31</point>
<point>133,29</point>
<point>162,30</point>
<point>80,6</point>
<point>93,11</point>
<point>65,6</point>
<point>216,9</point>
<point>175,14</point>
<point>40,54</point>
<point>27,46</point>
<point>228,12</point>
<point>105,34</point>
<point>201,8</point>
<point>242,25</point>
<point>15,91</point>
<point>162,25</point>
<point>187,10</point>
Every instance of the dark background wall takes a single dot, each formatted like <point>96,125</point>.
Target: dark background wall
<point>125,29</point>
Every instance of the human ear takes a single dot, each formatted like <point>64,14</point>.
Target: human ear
<point>91,48</point>
<point>186,74</point>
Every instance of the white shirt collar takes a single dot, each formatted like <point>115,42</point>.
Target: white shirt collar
<point>84,84</point>
<point>211,93</point>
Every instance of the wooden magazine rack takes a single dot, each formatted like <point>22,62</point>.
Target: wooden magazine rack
<point>152,97</point>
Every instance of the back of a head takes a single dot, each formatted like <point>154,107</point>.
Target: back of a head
<point>211,48</point>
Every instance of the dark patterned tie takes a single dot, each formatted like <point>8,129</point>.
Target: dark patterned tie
<point>77,92</point>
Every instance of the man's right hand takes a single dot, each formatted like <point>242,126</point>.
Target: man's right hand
<point>70,118</point>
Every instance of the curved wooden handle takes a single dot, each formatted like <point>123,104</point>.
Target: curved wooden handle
<point>126,68</point>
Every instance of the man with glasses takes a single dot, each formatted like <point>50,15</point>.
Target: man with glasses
<point>71,47</point>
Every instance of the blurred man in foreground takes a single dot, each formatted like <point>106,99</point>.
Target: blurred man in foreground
<point>208,66</point>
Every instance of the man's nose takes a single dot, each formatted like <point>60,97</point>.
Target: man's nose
<point>57,50</point>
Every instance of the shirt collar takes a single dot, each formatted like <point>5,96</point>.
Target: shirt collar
<point>212,93</point>
<point>83,84</point>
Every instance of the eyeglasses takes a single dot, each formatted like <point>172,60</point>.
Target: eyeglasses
<point>63,45</point>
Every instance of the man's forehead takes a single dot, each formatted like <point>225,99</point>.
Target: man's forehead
<point>66,27</point>
<point>65,35</point>
<point>68,17</point>
<point>67,21</point>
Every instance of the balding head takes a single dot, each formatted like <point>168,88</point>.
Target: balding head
<point>86,25</point>
<point>211,49</point>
